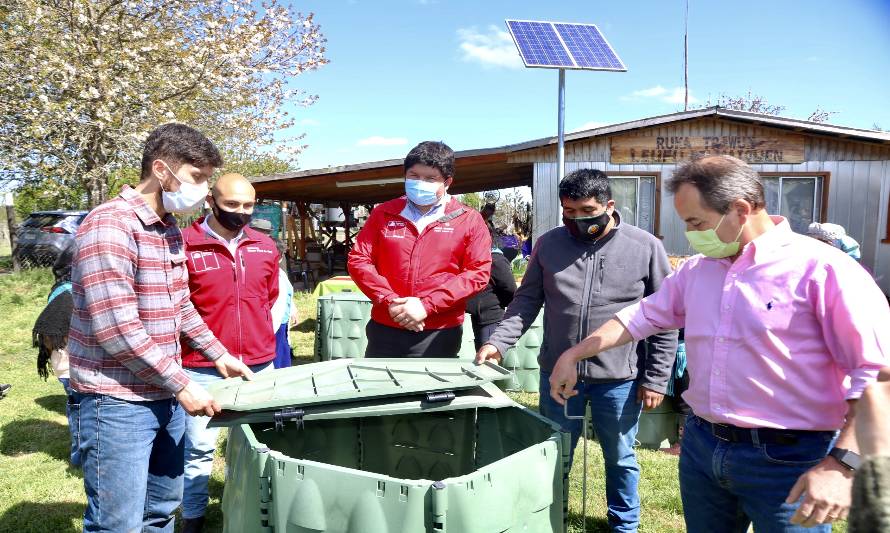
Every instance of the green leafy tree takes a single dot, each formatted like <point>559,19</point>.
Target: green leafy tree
<point>86,80</point>
<point>472,199</point>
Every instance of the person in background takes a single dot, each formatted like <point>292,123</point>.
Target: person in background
<point>419,258</point>
<point>526,246</point>
<point>782,336</point>
<point>870,509</point>
<point>581,274</point>
<point>132,307</point>
<point>50,335</point>
<point>486,308</point>
<point>835,235</point>
<point>283,312</point>
<point>233,278</point>
<point>487,212</point>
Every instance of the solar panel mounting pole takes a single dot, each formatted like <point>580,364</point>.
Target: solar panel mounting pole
<point>561,141</point>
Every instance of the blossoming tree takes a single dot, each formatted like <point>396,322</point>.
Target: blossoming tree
<point>82,82</point>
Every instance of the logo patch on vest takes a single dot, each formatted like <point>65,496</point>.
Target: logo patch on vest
<point>257,250</point>
<point>204,261</point>
<point>395,229</point>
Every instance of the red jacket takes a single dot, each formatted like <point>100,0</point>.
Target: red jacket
<point>443,266</point>
<point>234,297</point>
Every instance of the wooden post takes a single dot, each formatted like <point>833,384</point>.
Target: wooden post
<point>346,207</point>
<point>10,225</point>
<point>301,207</point>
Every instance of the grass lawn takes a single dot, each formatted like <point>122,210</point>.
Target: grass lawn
<point>39,492</point>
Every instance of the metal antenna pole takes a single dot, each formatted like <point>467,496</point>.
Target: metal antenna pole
<point>586,422</point>
<point>561,142</point>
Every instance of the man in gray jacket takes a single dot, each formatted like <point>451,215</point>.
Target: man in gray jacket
<point>585,272</point>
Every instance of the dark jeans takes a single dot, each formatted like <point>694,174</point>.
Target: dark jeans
<point>615,416</point>
<point>132,458</point>
<point>727,485</point>
<point>384,341</point>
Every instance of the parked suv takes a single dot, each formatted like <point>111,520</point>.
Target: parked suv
<point>44,234</point>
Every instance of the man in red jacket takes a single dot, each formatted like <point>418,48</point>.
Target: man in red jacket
<point>419,258</point>
<point>233,278</point>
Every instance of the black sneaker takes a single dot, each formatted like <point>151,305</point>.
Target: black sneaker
<point>4,389</point>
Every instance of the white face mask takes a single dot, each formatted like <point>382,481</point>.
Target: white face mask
<point>189,197</point>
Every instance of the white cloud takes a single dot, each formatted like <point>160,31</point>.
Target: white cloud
<point>309,122</point>
<point>670,96</point>
<point>377,140</point>
<point>589,126</point>
<point>658,90</point>
<point>492,49</point>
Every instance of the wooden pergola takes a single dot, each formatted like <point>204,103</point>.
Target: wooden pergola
<point>371,183</point>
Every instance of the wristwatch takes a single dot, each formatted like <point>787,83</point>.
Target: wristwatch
<point>850,460</point>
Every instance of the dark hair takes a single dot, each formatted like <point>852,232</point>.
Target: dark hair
<point>62,265</point>
<point>721,180</point>
<point>432,154</point>
<point>178,144</point>
<point>586,183</point>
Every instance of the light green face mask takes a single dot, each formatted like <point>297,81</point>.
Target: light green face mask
<point>707,243</point>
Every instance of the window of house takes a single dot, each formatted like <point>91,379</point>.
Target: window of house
<point>635,200</point>
<point>798,198</point>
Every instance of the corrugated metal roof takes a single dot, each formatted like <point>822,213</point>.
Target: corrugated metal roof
<point>742,116</point>
<point>611,129</point>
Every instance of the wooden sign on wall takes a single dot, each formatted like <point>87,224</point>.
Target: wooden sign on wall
<point>772,148</point>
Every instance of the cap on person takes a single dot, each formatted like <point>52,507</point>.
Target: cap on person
<point>835,235</point>
<point>262,225</point>
<point>826,231</point>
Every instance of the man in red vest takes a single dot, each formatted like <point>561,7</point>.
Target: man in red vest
<point>233,278</point>
<point>419,258</point>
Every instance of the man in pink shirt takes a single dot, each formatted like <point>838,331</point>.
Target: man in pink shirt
<point>782,336</point>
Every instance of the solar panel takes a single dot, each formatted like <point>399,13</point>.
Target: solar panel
<point>539,45</point>
<point>588,47</point>
<point>562,45</point>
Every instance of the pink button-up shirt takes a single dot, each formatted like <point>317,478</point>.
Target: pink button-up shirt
<point>779,338</point>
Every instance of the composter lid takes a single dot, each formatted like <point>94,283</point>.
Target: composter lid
<point>350,385</point>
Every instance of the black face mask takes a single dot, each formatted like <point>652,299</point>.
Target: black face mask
<point>587,229</point>
<point>230,220</point>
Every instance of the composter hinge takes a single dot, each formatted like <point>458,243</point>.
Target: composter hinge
<point>288,414</point>
<point>439,397</point>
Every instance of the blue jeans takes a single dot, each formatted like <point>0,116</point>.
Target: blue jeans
<point>725,486</point>
<point>200,446</point>
<point>71,414</point>
<point>615,415</point>
<point>131,454</point>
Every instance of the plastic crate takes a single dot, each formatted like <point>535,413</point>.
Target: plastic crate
<point>340,328</point>
<point>311,450</point>
<point>522,359</point>
<point>659,428</point>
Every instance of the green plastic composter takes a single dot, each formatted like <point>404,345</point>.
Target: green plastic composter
<point>340,332</point>
<point>388,446</point>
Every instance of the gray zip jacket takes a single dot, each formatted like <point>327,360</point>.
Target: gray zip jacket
<point>581,286</point>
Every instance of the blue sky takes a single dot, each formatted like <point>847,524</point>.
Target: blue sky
<point>401,72</point>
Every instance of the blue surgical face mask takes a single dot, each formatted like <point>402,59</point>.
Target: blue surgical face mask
<point>422,193</point>
<point>189,197</point>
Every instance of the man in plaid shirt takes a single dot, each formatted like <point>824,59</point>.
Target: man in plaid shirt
<point>131,311</point>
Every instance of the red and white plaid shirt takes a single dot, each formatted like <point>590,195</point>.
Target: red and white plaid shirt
<point>131,304</point>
